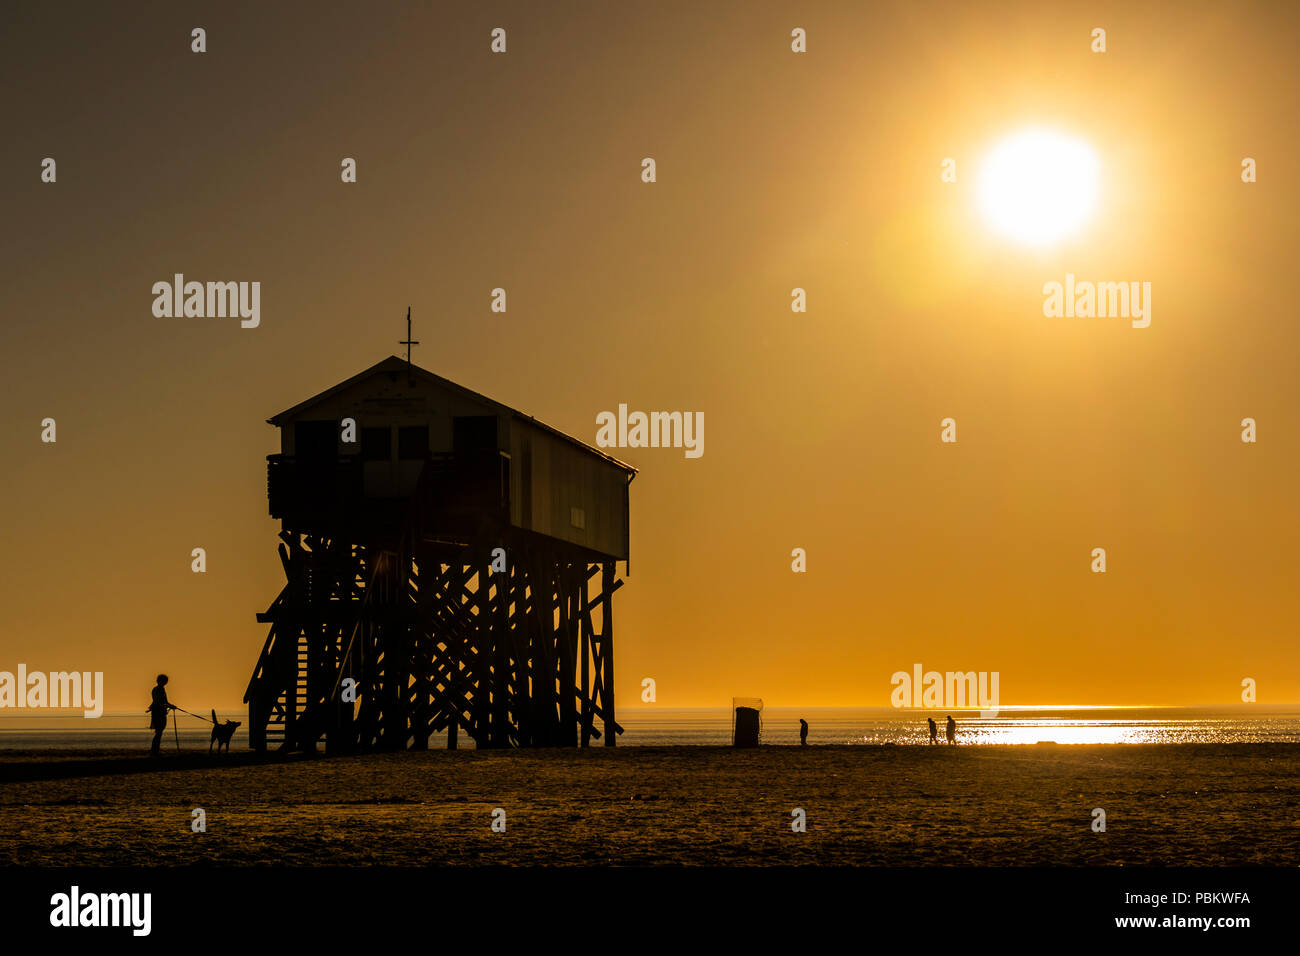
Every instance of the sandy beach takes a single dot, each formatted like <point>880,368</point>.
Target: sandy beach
<point>1196,804</point>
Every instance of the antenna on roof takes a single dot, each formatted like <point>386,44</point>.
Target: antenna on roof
<point>408,343</point>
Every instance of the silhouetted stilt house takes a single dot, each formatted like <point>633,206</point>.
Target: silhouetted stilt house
<point>397,622</point>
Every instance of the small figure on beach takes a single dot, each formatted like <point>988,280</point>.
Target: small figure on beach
<point>803,732</point>
<point>952,730</point>
<point>934,731</point>
<point>158,711</point>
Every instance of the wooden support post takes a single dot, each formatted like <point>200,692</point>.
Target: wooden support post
<point>607,651</point>
<point>256,725</point>
<point>584,643</point>
<point>568,636</point>
<point>502,684</point>
<point>536,669</point>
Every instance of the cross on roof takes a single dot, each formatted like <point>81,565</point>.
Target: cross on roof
<point>409,342</point>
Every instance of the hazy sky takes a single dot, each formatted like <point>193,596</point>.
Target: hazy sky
<point>775,170</point>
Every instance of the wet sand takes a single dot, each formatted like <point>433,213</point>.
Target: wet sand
<point>1166,804</point>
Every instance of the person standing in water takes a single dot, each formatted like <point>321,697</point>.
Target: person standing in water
<point>952,730</point>
<point>803,732</point>
<point>934,731</point>
<point>158,711</point>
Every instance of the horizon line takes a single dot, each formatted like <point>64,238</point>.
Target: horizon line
<point>39,713</point>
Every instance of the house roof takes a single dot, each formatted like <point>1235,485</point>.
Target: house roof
<point>395,363</point>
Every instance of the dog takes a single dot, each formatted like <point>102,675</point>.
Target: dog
<point>221,733</point>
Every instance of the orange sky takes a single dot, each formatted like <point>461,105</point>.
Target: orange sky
<point>775,170</point>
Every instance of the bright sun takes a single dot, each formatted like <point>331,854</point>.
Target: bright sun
<point>1038,186</point>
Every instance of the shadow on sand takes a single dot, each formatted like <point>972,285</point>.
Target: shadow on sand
<point>33,765</point>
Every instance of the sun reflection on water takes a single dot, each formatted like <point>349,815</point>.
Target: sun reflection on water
<point>1025,726</point>
<point>1030,730</point>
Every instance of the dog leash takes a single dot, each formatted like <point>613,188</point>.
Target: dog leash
<point>184,711</point>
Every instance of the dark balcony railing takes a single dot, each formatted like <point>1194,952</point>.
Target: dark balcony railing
<point>458,484</point>
<point>296,487</point>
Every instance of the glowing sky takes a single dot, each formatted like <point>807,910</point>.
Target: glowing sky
<point>775,171</point>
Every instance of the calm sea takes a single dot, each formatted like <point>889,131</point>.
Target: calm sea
<point>644,726</point>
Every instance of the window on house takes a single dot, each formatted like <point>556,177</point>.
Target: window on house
<point>413,442</point>
<point>315,441</point>
<point>474,433</point>
<point>376,444</point>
